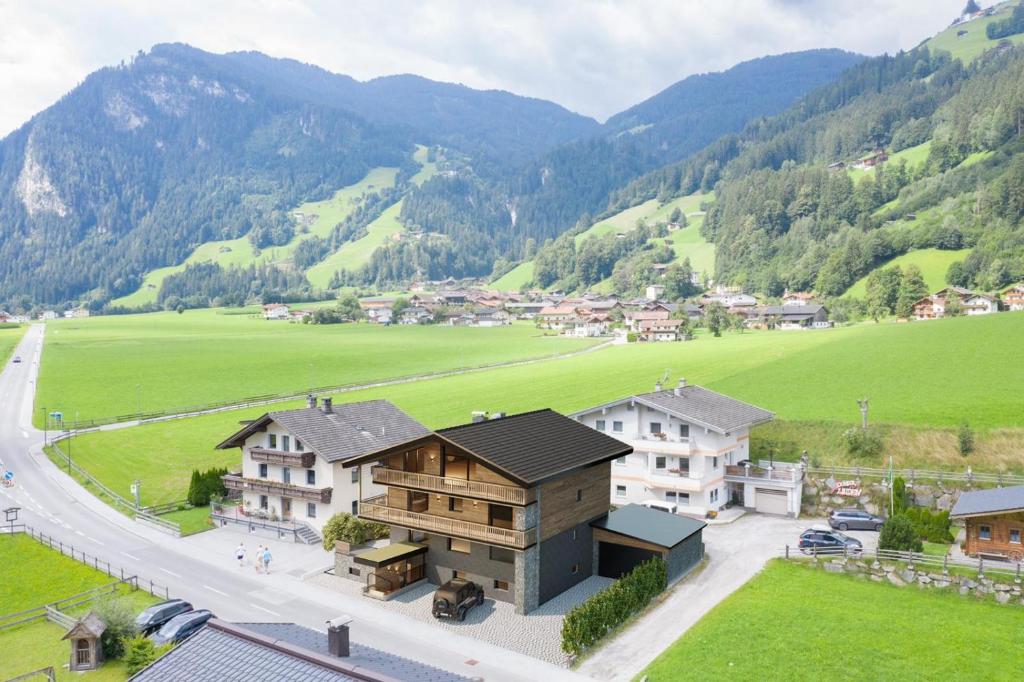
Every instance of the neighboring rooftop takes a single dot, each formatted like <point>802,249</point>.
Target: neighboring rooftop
<point>649,525</point>
<point>245,652</point>
<point>346,430</point>
<point>991,501</point>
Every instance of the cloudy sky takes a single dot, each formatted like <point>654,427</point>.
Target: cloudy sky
<point>595,58</point>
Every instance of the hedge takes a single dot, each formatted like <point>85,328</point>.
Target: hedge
<point>204,485</point>
<point>589,622</point>
<point>352,529</point>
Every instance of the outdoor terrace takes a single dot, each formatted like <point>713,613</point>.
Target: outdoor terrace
<point>376,509</point>
<point>459,487</point>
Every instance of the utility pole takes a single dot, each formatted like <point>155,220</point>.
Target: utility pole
<point>46,422</point>
<point>863,405</point>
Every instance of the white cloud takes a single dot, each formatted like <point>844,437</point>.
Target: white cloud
<point>594,58</point>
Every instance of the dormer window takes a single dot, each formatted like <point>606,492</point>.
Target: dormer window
<point>272,441</point>
<point>286,443</point>
<point>684,430</point>
<point>298,445</point>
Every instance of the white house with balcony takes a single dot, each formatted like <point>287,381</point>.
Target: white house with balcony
<point>690,448</point>
<point>292,474</point>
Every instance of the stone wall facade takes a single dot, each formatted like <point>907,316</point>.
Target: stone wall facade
<point>934,495</point>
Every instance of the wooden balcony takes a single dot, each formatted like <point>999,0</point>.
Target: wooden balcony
<point>306,460</point>
<point>376,509</point>
<point>782,474</point>
<point>458,487</point>
<point>267,487</point>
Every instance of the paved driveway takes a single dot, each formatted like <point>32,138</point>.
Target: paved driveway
<point>736,552</point>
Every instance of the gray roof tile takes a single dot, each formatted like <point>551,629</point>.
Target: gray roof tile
<point>657,527</point>
<point>718,412</point>
<point>993,500</point>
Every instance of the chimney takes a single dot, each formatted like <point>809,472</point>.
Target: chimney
<point>680,387</point>
<point>498,415</point>
<point>311,401</point>
<point>479,416</point>
<point>337,636</point>
<point>326,406</point>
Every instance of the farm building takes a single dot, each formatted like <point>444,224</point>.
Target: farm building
<point>994,519</point>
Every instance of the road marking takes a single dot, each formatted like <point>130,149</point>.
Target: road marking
<point>170,573</point>
<point>91,538</point>
<point>78,532</point>
<point>272,613</point>
<point>211,589</point>
<point>133,558</point>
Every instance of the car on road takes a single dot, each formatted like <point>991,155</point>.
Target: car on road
<point>455,598</point>
<point>156,615</point>
<point>17,358</point>
<point>828,541</point>
<point>854,519</point>
<point>181,627</point>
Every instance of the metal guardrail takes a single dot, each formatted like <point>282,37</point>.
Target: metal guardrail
<point>983,567</point>
<point>911,475</point>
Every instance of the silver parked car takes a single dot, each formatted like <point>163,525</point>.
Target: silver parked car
<point>854,519</point>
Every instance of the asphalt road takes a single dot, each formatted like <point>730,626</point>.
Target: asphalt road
<point>53,503</point>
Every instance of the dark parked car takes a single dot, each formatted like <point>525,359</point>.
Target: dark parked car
<point>829,541</point>
<point>854,519</point>
<point>180,627</point>
<point>17,358</point>
<point>455,598</point>
<point>156,615</point>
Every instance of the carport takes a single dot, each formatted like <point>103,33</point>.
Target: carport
<point>632,534</point>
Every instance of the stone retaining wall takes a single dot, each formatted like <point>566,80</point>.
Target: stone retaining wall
<point>934,495</point>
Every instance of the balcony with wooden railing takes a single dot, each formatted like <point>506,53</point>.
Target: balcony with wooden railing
<point>458,487</point>
<point>264,486</point>
<point>376,509</point>
<point>780,474</point>
<point>305,460</point>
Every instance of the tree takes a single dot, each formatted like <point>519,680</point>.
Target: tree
<point>716,318</point>
<point>900,498</point>
<point>898,534</point>
<point>883,290</point>
<point>965,439</point>
<point>348,306</point>
<point>953,306</point>
<point>675,216</point>
<point>912,289</point>
<point>399,305</point>
<point>971,7</point>
<point>119,618</point>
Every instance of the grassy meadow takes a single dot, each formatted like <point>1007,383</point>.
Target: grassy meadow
<point>970,46</point>
<point>933,263</point>
<point>9,338</point>
<point>355,254</point>
<point>802,623</point>
<point>810,379</point>
<point>515,279</point>
<point>100,366</point>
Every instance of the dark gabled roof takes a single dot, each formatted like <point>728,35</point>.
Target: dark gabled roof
<point>244,652</point>
<point>534,446</point>
<point>349,430</point>
<point>649,525</point>
<point>991,501</point>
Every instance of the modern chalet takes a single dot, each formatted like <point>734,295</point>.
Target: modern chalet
<point>691,448</point>
<point>507,502</point>
<point>994,519</point>
<point>292,460</point>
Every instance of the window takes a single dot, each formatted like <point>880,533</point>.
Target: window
<point>298,445</point>
<point>418,501</point>
<point>286,443</point>
<point>620,461</point>
<point>655,427</point>
<point>455,504</point>
<point>461,546</point>
<point>310,510</point>
<point>600,425</point>
<point>272,441</point>
<point>616,427</point>
<point>355,507</point>
<point>352,570</point>
<point>459,574</point>
<point>579,495</point>
<point>263,501</point>
<point>505,556</point>
<point>659,462</point>
<point>1015,536</point>
<point>620,491</point>
<point>984,532</point>
<point>310,476</point>
<point>355,475</point>
<point>286,475</point>
<point>501,585</point>
<point>684,466</point>
<point>714,494</point>
<point>575,569</point>
<point>677,497</point>
<point>263,470</point>
<point>684,430</point>
<point>670,495</point>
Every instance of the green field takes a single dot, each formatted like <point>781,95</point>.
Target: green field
<point>9,338</point>
<point>119,365</point>
<point>428,169</point>
<point>515,279</point>
<point>969,47</point>
<point>800,375</point>
<point>914,156</point>
<point>623,221</point>
<point>353,255</point>
<point>933,263</point>
<point>794,622</point>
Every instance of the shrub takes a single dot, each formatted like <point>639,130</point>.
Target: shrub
<point>205,485</point>
<point>140,652</point>
<point>899,496</point>
<point>931,526</point>
<point>351,529</point>
<point>863,442</point>
<point>965,439</point>
<point>898,534</point>
<point>587,623</point>
<point>631,337</point>
<point>119,619</point>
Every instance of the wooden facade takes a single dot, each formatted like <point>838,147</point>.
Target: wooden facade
<point>996,535</point>
<point>573,499</point>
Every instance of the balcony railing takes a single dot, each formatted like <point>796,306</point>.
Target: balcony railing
<point>376,509</point>
<point>453,486</point>
<point>266,487</point>
<point>786,474</point>
<point>305,460</point>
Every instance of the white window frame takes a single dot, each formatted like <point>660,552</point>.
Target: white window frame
<point>620,490</point>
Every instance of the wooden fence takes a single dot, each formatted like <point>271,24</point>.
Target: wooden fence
<point>1011,569</point>
<point>913,475</point>
<point>47,672</point>
<point>54,611</point>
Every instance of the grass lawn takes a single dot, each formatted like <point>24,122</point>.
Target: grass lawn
<point>821,374</point>
<point>515,279</point>
<point>355,254</point>
<point>9,338</point>
<point>38,645</point>
<point>623,221</point>
<point>935,549</point>
<point>969,47</point>
<point>933,263</point>
<point>91,367</point>
<point>792,622</point>
<point>191,521</point>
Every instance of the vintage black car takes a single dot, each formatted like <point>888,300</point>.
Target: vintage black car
<point>455,598</point>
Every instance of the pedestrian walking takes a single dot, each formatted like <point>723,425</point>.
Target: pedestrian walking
<point>240,554</point>
<point>258,558</point>
<point>266,560</point>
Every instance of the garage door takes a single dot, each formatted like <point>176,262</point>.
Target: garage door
<point>771,501</point>
<point>616,560</point>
